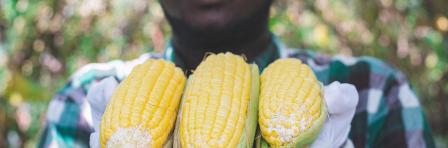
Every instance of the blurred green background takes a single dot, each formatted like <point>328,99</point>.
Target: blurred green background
<point>42,42</point>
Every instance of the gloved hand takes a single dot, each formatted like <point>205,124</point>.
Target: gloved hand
<point>98,97</point>
<point>341,100</point>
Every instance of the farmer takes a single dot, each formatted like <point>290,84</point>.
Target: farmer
<point>388,113</point>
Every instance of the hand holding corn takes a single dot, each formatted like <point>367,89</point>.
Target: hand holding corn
<point>341,100</point>
<point>218,108</point>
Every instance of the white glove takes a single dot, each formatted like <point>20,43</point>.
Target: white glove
<point>98,97</point>
<point>341,100</point>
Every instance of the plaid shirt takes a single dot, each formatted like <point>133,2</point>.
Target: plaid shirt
<point>388,113</point>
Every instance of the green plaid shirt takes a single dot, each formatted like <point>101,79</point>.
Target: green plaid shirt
<point>388,113</point>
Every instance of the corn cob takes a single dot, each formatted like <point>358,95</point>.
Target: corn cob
<point>143,108</point>
<point>291,109</point>
<point>219,106</point>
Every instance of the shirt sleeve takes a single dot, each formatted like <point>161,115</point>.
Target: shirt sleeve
<point>394,114</point>
<point>389,113</point>
<point>68,120</point>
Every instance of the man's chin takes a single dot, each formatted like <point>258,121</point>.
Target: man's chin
<point>206,26</point>
<point>210,21</point>
<point>218,28</point>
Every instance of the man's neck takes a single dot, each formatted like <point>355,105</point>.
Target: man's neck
<point>192,54</point>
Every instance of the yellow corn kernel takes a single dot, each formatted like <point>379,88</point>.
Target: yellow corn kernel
<point>143,108</point>
<point>291,107</point>
<point>219,106</point>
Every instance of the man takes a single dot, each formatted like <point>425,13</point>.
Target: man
<point>388,113</point>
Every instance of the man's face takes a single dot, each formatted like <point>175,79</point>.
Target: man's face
<point>211,13</point>
<point>214,22</point>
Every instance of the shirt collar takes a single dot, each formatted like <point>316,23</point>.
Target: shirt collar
<point>275,50</point>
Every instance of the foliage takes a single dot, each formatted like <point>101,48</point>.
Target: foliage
<point>43,41</point>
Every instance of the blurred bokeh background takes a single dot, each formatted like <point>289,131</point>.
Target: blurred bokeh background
<point>43,41</point>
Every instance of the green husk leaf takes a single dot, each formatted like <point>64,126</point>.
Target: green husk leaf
<point>248,136</point>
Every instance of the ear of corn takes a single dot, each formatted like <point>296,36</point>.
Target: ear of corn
<point>143,108</point>
<point>291,109</point>
<point>219,106</point>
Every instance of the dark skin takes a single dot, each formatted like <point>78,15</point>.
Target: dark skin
<point>203,26</point>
